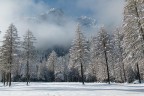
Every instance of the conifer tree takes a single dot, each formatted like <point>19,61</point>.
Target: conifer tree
<point>79,53</point>
<point>118,38</point>
<point>9,51</point>
<point>29,52</point>
<point>51,64</point>
<point>133,42</point>
<point>104,47</point>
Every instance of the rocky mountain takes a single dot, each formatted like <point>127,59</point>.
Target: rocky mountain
<point>54,15</point>
<point>86,22</point>
<point>57,16</point>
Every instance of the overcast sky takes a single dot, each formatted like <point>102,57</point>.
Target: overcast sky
<point>107,12</point>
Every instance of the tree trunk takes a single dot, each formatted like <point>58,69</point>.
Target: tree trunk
<point>124,74</point>
<point>82,74</point>
<point>139,77</point>
<point>53,77</point>
<point>106,58</point>
<point>4,78</point>
<point>9,76</point>
<point>9,79</point>
<point>27,73</point>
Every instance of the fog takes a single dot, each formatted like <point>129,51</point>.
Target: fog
<point>108,12</point>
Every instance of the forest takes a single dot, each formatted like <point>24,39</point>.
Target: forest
<point>116,56</point>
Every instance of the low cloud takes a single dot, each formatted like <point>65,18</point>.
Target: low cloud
<point>47,34</point>
<point>108,12</point>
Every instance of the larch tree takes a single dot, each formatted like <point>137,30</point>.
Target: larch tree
<point>66,62</point>
<point>104,49</point>
<point>29,52</point>
<point>97,62</point>
<point>94,59</point>
<point>79,53</point>
<point>61,69</point>
<point>3,65</point>
<point>120,69</point>
<point>9,52</point>
<point>133,42</point>
<point>51,65</point>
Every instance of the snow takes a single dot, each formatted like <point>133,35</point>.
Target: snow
<point>72,89</point>
<point>137,81</point>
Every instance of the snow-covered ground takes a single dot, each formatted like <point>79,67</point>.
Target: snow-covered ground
<point>72,89</point>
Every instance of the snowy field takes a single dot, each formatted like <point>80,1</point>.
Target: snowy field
<point>72,89</point>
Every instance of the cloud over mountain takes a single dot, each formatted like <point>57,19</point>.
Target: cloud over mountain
<point>54,25</point>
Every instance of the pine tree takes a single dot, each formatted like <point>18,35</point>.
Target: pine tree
<point>79,53</point>
<point>29,52</point>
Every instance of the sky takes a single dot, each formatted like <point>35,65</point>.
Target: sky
<point>106,12</point>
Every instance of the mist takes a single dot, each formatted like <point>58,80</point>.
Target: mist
<point>107,12</point>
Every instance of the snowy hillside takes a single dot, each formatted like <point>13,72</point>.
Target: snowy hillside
<point>72,89</point>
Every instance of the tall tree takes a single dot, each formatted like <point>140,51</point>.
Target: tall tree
<point>94,58</point>
<point>79,53</point>
<point>104,49</point>
<point>133,34</point>
<point>29,52</point>
<point>9,51</point>
<point>118,38</point>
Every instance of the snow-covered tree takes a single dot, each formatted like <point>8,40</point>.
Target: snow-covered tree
<point>42,71</point>
<point>120,67</point>
<point>133,30</point>
<point>66,62</point>
<point>51,65</point>
<point>29,52</point>
<point>104,51</point>
<point>79,53</point>
<point>59,69</point>
<point>9,52</point>
<point>93,64</point>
